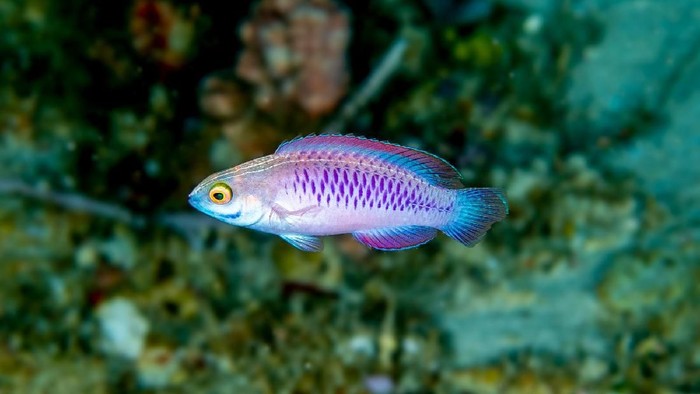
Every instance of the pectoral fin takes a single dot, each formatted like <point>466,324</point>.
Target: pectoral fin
<point>286,214</point>
<point>395,238</point>
<point>307,243</point>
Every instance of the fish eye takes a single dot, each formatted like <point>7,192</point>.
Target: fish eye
<point>220,193</point>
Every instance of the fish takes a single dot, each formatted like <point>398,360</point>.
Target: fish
<point>389,197</point>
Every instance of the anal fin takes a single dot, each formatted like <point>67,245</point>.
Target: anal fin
<point>395,238</point>
<point>307,243</point>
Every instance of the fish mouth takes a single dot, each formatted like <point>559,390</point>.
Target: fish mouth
<point>192,200</point>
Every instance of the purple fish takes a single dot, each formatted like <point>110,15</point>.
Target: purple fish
<point>388,196</point>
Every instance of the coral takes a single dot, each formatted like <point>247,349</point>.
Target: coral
<point>110,284</point>
<point>295,55</point>
<point>162,33</point>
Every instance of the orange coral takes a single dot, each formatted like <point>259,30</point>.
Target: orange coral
<point>295,55</point>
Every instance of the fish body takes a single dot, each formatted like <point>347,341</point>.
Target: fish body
<point>388,196</point>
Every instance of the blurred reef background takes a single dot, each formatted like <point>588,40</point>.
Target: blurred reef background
<point>584,111</point>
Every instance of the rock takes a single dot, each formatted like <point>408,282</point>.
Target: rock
<point>553,313</point>
<point>644,47</point>
<point>123,328</point>
<point>379,384</point>
<point>157,367</point>
<point>646,62</point>
<point>661,158</point>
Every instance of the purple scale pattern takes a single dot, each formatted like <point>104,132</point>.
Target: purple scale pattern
<point>340,185</point>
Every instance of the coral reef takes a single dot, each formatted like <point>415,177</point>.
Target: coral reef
<point>110,113</point>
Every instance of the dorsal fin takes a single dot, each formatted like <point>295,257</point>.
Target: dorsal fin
<point>430,167</point>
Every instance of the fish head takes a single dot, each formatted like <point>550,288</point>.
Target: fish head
<point>223,197</point>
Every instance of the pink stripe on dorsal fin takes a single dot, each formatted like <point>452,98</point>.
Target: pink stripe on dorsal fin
<point>425,165</point>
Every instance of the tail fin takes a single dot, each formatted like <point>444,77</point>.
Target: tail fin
<point>476,210</point>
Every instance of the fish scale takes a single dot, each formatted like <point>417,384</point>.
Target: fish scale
<point>359,187</point>
<point>388,196</point>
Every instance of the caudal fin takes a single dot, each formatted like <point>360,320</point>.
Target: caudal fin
<point>477,209</point>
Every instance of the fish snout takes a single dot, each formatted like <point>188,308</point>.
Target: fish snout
<point>193,200</point>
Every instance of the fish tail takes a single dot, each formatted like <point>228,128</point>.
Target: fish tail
<point>476,210</point>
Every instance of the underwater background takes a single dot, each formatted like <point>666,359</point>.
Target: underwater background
<point>584,111</point>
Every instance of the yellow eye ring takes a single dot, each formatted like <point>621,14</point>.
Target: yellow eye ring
<point>220,193</point>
